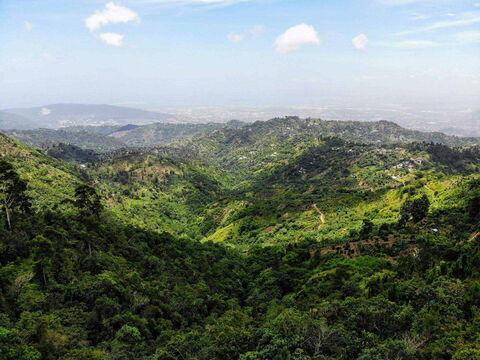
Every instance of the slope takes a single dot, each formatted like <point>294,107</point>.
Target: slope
<point>326,192</point>
<point>113,285</point>
<point>86,139</point>
<point>262,146</point>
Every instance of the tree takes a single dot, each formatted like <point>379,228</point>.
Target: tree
<point>467,354</point>
<point>87,201</point>
<point>43,253</point>
<point>89,205</point>
<point>13,192</point>
<point>473,207</point>
<point>12,346</point>
<point>367,228</point>
<point>128,342</point>
<point>414,209</point>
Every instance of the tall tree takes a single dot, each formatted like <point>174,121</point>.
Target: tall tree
<point>89,205</point>
<point>87,201</point>
<point>13,192</point>
<point>43,253</point>
<point>414,209</point>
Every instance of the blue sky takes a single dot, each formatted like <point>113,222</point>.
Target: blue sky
<point>240,53</point>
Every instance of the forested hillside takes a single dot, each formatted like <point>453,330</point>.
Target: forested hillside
<point>289,239</point>
<point>85,138</point>
<point>223,136</point>
<point>108,138</point>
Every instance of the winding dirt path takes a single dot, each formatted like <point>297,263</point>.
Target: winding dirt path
<point>321,214</point>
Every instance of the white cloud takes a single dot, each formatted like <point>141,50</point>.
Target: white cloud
<point>468,37</point>
<point>45,111</point>
<point>28,26</point>
<point>252,32</point>
<point>461,20</point>
<point>112,39</point>
<point>360,42</point>
<point>111,14</point>
<point>296,37</point>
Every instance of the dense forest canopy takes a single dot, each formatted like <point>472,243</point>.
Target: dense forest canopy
<point>109,137</point>
<point>288,239</point>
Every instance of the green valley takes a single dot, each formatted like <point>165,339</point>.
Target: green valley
<point>286,239</point>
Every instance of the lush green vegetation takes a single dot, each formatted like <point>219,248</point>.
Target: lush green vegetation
<point>241,244</point>
<point>84,138</point>
<point>228,137</point>
<point>107,138</point>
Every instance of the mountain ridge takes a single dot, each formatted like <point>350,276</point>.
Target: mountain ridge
<point>70,114</point>
<point>283,129</point>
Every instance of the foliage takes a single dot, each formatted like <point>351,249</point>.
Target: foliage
<point>415,209</point>
<point>171,254</point>
<point>87,201</point>
<point>12,192</point>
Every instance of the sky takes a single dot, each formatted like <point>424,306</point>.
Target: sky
<point>153,53</point>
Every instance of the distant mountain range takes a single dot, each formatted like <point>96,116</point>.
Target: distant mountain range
<point>62,115</point>
<point>10,121</point>
<point>250,137</point>
<point>109,118</point>
<point>452,121</point>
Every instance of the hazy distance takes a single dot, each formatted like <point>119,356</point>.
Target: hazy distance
<point>416,62</point>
